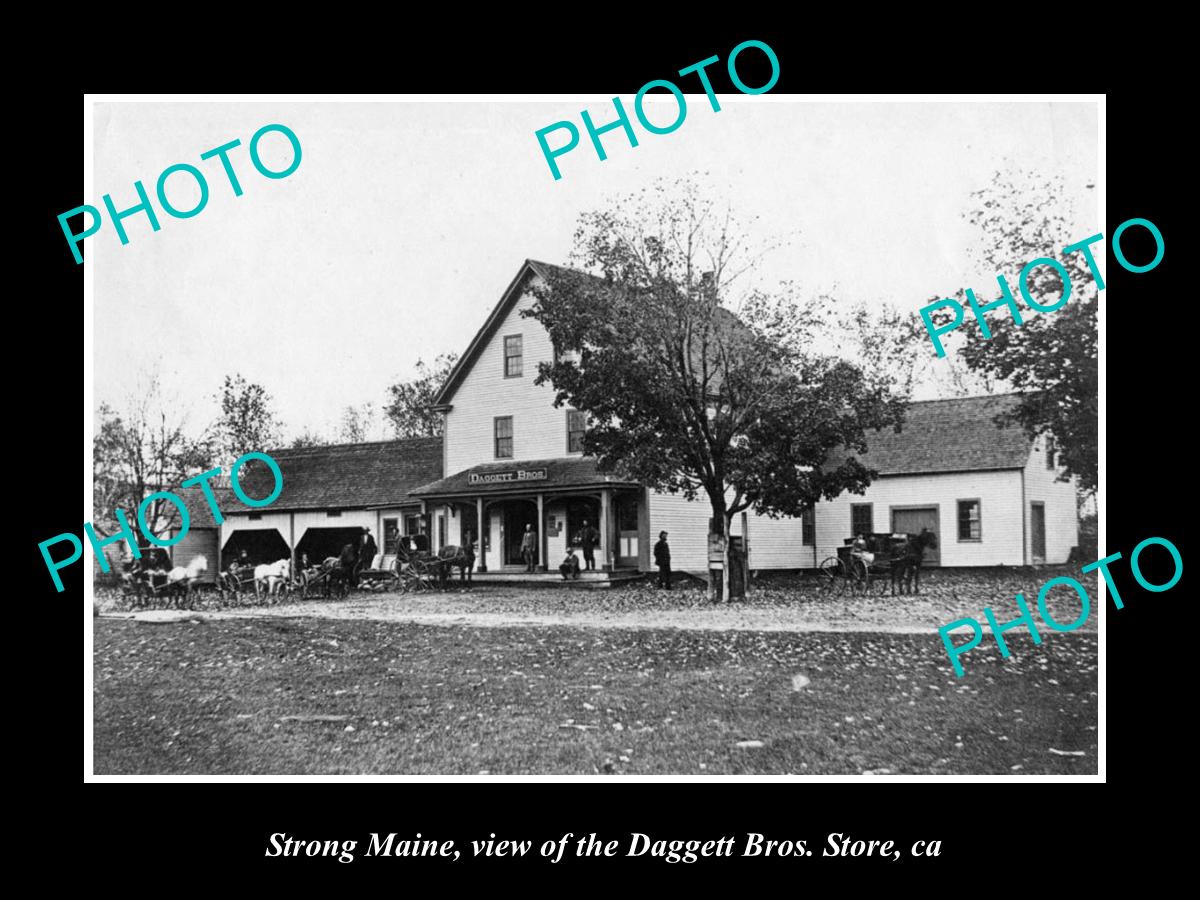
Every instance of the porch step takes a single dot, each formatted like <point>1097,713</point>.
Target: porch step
<point>586,580</point>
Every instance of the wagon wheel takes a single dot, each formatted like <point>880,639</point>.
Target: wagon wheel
<point>832,578</point>
<point>859,575</point>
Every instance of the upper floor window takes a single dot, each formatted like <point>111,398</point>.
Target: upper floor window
<point>576,425</point>
<point>332,513</point>
<point>969,522</point>
<point>1049,452</point>
<point>504,437</point>
<point>512,356</point>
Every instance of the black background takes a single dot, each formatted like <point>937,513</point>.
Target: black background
<point>215,835</point>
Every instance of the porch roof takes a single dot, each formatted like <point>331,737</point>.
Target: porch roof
<point>523,477</point>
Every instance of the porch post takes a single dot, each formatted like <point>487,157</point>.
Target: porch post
<point>482,562</point>
<point>605,529</point>
<point>541,530</point>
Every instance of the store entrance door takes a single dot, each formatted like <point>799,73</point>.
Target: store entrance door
<point>516,516</point>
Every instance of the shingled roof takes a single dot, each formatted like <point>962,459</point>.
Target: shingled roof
<point>346,476</point>
<point>950,436</point>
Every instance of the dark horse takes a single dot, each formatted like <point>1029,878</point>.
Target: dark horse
<point>906,568</point>
<point>452,556</point>
<point>340,570</point>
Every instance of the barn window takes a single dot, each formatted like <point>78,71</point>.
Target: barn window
<point>504,437</point>
<point>970,526</point>
<point>808,527</point>
<point>862,519</point>
<point>512,356</point>
<point>333,513</point>
<point>255,517</point>
<point>576,425</point>
<point>1049,452</point>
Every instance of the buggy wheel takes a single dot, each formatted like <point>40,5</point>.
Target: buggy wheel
<point>859,576</point>
<point>832,578</point>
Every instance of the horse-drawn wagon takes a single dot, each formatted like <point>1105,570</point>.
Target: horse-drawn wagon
<point>896,556</point>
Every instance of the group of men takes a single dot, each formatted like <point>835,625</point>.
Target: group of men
<point>587,540</point>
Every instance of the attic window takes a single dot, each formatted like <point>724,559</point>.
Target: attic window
<point>513,365</point>
<point>1049,453</point>
<point>333,513</point>
<point>255,517</point>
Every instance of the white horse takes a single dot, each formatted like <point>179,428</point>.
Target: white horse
<point>180,578</point>
<point>272,576</point>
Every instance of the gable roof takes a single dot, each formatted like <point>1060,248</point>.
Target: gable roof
<point>507,300</point>
<point>957,435</point>
<point>345,476</point>
<point>726,321</point>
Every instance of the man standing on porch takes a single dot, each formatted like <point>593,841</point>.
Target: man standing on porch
<point>529,548</point>
<point>588,537</point>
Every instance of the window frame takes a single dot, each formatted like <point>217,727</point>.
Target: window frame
<point>808,527</point>
<point>869,506</point>
<point>581,432</point>
<point>497,437</point>
<point>958,520</point>
<point>519,357</point>
<point>1051,450</point>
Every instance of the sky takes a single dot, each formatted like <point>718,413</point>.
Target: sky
<point>405,221</point>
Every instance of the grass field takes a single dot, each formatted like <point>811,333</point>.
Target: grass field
<point>310,696</point>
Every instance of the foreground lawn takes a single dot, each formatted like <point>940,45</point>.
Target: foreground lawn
<point>308,696</point>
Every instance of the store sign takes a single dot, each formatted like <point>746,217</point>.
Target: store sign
<point>506,477</point>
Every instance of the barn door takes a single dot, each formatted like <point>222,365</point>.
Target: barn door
<point>910,520</point>
<point>1037,530</point>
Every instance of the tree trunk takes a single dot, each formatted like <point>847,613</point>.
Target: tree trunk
<point>719,590</point>
<point>725,563</point>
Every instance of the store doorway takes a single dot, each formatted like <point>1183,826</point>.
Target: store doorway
<point>516,516</point>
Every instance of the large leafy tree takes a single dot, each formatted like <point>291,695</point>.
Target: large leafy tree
<point>144,448</point>
<point>692,384</point>
<point>1051,358</point>
<point>410,409</point>
<point>248,423</point>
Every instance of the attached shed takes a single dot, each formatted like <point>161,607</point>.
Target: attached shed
<point>330,494</point>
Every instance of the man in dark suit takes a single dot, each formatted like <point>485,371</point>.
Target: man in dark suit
<point>588,537</point>
<point>662,559</point>
<point>367,549</point>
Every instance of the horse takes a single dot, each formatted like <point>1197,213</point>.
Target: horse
<point>180,578</point>
<point>453,556</point>
<point>272,576</point>
<point>906,569</point>
<point>340,570</point>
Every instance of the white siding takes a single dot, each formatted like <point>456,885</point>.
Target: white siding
<point>1062,518</point>
<point>774,543</point>
<point>539,429</point>
<point>999,494</point>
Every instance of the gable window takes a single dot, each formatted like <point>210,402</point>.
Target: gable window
<point>512,356</point>
<point>970,527</point>
<point>504,437</point>
<point>576,425</point>
<point>1049,452</point>
<point>808,527</point>
<point>862,519</point>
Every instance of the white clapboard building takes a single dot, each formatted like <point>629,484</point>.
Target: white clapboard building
<point>511,459</point>
<point>329,495</point>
